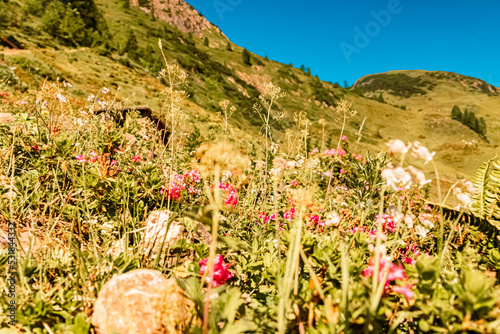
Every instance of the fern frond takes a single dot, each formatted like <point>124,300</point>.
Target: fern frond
<point>480,181</point>
<point>492,205</point>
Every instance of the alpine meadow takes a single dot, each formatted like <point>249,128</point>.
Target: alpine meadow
<point>155,177</point>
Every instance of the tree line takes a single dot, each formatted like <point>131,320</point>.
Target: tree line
<point>469,119</point>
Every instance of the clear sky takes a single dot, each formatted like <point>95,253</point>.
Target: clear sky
<point>346,39</point>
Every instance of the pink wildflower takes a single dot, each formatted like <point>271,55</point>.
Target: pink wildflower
<point>386,267</point>
<point>344,137</point>
<point>193,190</point>
<point>314,219</point>
<point>288,215</point>
<point>294,183</point>
<point>335,152</point>
<point>136,158</point>
<point>231,198</point>
<point>174,189</point>
<point>404,290</point>
<point>194,175</point>
<point>221,273</point>
<point>387,222</point>
<point>93,156</point>
<point>396,272</point>
<point>80,158</point>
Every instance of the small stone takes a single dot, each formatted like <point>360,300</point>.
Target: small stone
<point>116,248</point>
<point>154,236</point>
<point>142,301</point>
<point>6,118</point>
<point>5,183</point>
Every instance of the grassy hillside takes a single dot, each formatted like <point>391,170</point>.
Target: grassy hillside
<point>122,53</point>
<point>428,101</point>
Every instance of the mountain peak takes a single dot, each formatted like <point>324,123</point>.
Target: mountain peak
<point>178,13</point>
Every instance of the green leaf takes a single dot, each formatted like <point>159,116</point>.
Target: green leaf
<point>235,244</point>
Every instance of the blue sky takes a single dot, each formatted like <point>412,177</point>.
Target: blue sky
<point>346,39</point>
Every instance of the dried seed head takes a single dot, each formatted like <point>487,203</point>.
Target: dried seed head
<point>219,157</point>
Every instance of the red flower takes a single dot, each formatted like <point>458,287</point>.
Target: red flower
<point>288,215</point>
<point>314,219</point>
<point>387,222</point>
<point>221,273</point>
<point>136,158</point>
<point>231,198</point>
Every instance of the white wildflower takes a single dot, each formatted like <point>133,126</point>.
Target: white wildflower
<point>397,147</point>
<point>464,199</point>
<point>333,219</point>
<point>469,187</point>
<point>61,98</point>
<point>422,152</point>
<point>421,231</point>
<point>396,178</point>
<point>419,176</point>
<point>409,221</point>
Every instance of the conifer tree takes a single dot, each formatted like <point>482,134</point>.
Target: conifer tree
<point>131,46</point>
<point>246,57</point>
<point>456,114</point>
<point>482,127</point>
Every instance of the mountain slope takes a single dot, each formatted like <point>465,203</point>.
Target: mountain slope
<point>121,51</point>
<point>429,98</point>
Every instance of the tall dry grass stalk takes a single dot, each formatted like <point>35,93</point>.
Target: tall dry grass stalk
<point>344,109</point>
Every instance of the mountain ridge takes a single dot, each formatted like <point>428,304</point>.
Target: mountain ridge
<point>465,81</point>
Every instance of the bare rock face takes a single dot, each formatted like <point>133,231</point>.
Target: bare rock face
<point>141,301</point>
<point>162,233</point>
<point>178,13</point>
